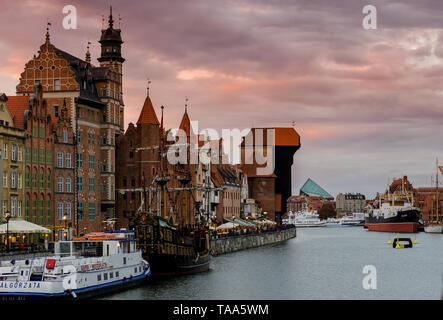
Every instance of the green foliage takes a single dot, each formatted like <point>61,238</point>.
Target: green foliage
<point>327,211</point>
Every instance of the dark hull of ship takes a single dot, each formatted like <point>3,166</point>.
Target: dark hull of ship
<point>164,265</point>
<point>406,221</point>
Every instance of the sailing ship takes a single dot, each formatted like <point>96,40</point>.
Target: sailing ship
<point>396,213</point>
<point>171,249</point>
<point>435,226</point>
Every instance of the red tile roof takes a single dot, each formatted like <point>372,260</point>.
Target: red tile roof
<point>147,115</point>
<point>17,106</point>
<point>185,124</point>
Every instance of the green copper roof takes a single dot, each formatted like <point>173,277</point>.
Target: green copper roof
<point>310,188</point>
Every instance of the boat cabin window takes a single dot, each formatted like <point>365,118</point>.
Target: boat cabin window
<point>88,249</point>
<point>64,249</point>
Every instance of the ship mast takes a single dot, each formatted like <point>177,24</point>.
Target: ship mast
<point>436,188</point>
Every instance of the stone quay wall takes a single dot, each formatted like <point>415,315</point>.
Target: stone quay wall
<point>230,244</point>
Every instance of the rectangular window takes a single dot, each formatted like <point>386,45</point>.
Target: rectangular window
<point>34,180</point>
<point>34,155</point>
<point>42,156</point>
<point>91,162</point>
<point>57,85</point>
<point>49,157</point>
<point>79,160</point>
<point>41,212</point>
<point>5,151</point>
<point>4,206</point>
<point>79,136</point>
<point>27,154</point>
<point>80,183</point>
<point>27,209</point>
<point>91,184</point>
<point>35,132</point>
<point>68,210</point>
<point>19,180</point>
<point>60,210</point>
<point>60,184</point>
<point>105,188</point>
<point>48,181</point>
<point>34,211</point>
<point>55,111</point>
<point>13,179</point>
<point>19,209</point>
<point>91,207</point>
<point>68,160</point>
<point>13,152</point>
<point>80,211</point>
<point>5,179</point>
<point>42,181</point>
<point>19,153</point>
<point>65,136</point>
<point>60,160</point>
<point>48,212</point>
<point>27,183</point>
<point>13,206</point>
<point>68,185</point>
<point>42,132</point>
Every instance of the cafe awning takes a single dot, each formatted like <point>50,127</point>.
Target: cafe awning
<point>22,226</point>
<point>227,225</point>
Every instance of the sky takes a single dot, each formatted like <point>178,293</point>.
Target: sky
<point>366,103</point>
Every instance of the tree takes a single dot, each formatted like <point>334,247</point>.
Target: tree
<point>327,211</point>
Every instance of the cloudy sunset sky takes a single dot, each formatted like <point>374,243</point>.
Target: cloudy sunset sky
<point>368,104</point>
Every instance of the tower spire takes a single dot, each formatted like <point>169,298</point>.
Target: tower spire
<point>111,21</point>
<point>186,104</point>
<point>88,54</point>
<point>47,29</point>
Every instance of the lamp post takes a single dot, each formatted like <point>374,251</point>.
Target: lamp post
<point>65,219</point>
<point>7,217</point>
<point>233,225</point>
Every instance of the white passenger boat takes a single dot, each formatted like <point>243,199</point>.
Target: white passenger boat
<point>86,266</point>
<point>305,219</point>
<point>353,220</point>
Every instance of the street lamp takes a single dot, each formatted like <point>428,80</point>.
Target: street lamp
<point>65,219</point>
<point>7,217</point>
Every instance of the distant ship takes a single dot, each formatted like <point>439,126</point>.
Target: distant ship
<point>305,219</point>
<point>352,220</point>
<point>435,226</point>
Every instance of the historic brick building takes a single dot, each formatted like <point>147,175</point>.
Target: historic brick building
<point>94,102</point>
<point>31,115</point>
<point>64,172</point>
<point>11,163</point>
<point>274,188</point>
<point>349,203</point>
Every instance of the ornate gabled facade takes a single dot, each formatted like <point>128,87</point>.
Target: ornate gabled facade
<point>39,166</point>
<point>94,106</point>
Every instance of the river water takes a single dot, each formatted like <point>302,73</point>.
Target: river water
<point>321,263</point>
